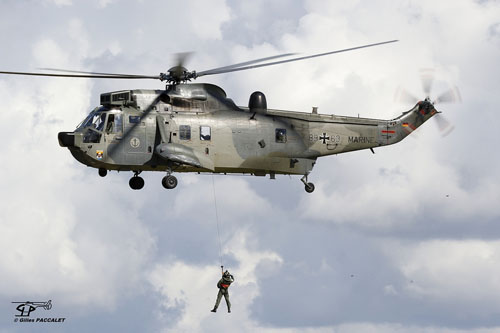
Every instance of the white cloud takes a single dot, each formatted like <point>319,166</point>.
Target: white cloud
<point>397,328</point>
<point>210,26</point>
<point>398,188</point>
<point>453,271</point>
<point>55,237</point>
<point>60,3</point>
<point>236,200</point>
<point>105,3</point>
<point>193,288</point>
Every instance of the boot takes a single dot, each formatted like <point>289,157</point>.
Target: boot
<point>214,310</point>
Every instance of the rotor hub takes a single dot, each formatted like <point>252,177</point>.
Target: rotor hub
<point>178,74</point>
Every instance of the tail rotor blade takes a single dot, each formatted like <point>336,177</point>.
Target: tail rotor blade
<point>427,78</point>
<point>404,96</point>
<point>445,127</point>
<point>452,95</point>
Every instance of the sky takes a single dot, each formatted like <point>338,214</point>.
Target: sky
<point>403,240</point>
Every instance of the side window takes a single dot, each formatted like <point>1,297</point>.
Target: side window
<point>205,134</point>
<point>118,123</point>
<point>281,135</point>
<point>114,124</point>
<point>110,124</point>
<point>134,119</point>
<point>185,132</point>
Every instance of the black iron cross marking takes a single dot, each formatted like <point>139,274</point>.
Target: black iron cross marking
<point>324,138</point>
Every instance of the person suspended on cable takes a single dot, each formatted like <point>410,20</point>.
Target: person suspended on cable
<point>223,286</point>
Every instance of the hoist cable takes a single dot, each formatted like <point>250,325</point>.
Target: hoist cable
<point>217,220</point>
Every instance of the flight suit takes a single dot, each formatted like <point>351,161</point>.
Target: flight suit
<point>223,286</point>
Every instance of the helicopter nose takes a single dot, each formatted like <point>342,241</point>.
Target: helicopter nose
<point>66,139</point>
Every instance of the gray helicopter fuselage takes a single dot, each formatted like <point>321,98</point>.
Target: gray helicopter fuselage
<point>196,128</point>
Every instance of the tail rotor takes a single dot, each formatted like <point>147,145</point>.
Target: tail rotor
<point>427,79</point>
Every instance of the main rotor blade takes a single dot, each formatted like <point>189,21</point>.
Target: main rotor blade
<point>90,73</point>
<point>182,57</point>
<point>227,70</point>
<point>216,70</point>
<point>88,76</point>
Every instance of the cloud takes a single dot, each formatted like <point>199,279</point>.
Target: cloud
<point>464,272</point>
<point>193,288</point>
<point>400,192</point>
<point>424,210</point>
<point>54,235</point>
<point>60,3</point>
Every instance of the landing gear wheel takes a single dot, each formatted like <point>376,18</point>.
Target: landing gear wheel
<point>103,172</point>
<point>309,187</point>
<point>136,183</point>
<point>169,182</point>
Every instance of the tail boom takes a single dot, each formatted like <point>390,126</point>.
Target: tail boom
<point>356,134</point>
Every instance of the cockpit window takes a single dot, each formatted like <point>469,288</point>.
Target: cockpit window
<point>98,121</point>
<point>95,119</point>
<point>88,120</point>
<point>91,136</point>
<point>94,125</point>
<point>114,124</point>
<point>111,121</point>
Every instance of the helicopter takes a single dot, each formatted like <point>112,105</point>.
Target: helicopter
<point>195,127</point>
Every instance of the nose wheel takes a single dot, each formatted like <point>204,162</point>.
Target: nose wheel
<point>103,172</point>
<point>309,187</point>
<point>136,182</point>
<point>169,182</point>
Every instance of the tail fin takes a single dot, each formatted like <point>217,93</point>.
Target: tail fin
<point>397,129</point>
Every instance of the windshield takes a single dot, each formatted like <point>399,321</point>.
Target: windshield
<point>95,119</point>
<point>96,124</point>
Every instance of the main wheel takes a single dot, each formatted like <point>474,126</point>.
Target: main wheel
<point>136,183</point>
<point>103,172</point>
<point>169,182</point>
<point>309,187</point>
